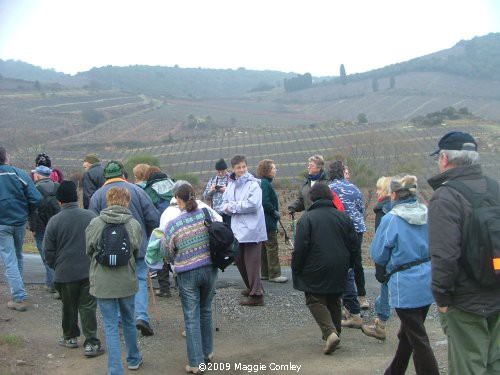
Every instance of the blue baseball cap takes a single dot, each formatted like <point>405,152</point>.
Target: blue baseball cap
<point>42,170</point>
<point>456,141</point>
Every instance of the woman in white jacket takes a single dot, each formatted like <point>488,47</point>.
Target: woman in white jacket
<point>243,201</point>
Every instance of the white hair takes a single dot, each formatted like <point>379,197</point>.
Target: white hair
<point>461,157</point>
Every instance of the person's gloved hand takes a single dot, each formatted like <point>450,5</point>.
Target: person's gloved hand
<point>276,215</point>
<point>380,273</point>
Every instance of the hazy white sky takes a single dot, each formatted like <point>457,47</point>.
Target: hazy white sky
<point>313,36</point>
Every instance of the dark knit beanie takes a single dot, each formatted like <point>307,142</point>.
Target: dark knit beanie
<point>66,192</point>
<point>43,159</point>
<point>113,169</point>
<point>220,165</point>
<point>91,158</point>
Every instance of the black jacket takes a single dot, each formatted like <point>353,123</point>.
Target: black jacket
<point>380,209</point>
<point>325,247</point>
<point>64,243</point>
<point>93,179</point>
<point>46,187</point>
<point>448,213</point>
<point>302,203</point>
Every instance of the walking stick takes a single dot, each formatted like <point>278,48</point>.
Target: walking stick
<point>288,240</point>
<point>216,312</point>
<point>153,297</point>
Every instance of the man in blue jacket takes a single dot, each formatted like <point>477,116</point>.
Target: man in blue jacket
<point>147,215</point>
<point>18,199</point>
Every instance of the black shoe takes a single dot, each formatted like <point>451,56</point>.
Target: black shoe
<point>144,327</point>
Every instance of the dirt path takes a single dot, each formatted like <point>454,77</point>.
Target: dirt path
<point>282,333</point>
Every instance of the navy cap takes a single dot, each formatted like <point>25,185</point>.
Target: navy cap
<point>456,141</point>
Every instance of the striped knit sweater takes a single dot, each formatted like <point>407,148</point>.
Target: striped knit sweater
<point>186,242</point>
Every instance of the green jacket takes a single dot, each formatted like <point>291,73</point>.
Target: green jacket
<point>270,204</point>
<point>113,282</point>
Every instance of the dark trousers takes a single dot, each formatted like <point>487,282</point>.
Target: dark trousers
<point>163,278</point>
<point>270,261</point>
<point>359,273</point>
<point>327,312</point>
<point>248,263</point>
<point>76,299</point>
<point>413,339</point>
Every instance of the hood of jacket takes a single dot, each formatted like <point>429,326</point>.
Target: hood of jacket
<point>244,179</point>
<point>411,211</point>
<point>115,215</point>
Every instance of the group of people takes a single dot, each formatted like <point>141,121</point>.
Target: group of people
<point>417,251</point>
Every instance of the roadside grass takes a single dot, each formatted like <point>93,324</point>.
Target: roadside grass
<point>30,248</point>
<point>11,341</point>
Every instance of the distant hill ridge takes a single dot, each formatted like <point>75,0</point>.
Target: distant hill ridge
<point>478,58</point>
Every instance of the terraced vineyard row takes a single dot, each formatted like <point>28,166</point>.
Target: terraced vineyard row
<point>379,147</point>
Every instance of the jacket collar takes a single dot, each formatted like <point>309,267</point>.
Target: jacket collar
<point>116,179</point>
<point>69,205</point>
<point>463,172</point>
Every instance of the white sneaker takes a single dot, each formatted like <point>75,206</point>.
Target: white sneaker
<point>279,279</point>
<point>363,303</point>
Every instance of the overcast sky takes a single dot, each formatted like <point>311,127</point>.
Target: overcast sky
<point>313,36</point>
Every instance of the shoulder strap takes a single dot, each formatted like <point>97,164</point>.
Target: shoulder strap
<point>208,219</point>
<point>464,190</point>
<point>492,186</point>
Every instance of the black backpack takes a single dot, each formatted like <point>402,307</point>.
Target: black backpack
<point>481,238</point>
<point>223,245</point>
<point>115,246</point>
<point>49,206</point>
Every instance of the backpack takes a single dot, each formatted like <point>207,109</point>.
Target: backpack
<point>115,246</point>
<point>481,238</point>
<point>49,206</point>
<point>223,245</point>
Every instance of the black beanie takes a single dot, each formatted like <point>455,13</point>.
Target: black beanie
<point>220,165</point>
<point>66,192</point>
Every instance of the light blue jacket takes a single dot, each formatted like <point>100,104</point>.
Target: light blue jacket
<point>402,237</point>
<point>243,201</point>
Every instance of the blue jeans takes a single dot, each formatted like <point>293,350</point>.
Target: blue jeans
<point>350,296</point>
<point>382,307</point>
<point>196,289</point>
<point>49,272</point>
<point>11,251</point>
<point>141,297</point>
<point>110,307</point>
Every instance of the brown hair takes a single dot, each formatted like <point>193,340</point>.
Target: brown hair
<point>140,172</point>
<point>320,191</point>
<point>264,168</point>
<point>151,170</point>
<point>117,196</point>
<point>188,196</point>
<point>237,159</point>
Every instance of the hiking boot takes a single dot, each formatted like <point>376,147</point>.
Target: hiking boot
<point>135,367</point>
<point>245,292</point>
<point>93,350</point>
<point>193,370</point>
<point>352,321</point>
<point>345,313</point>
<point>165,293</point>
<point>252,301</point>
<point>56,295</point>
<point>376,330</point>
<point>144,327</point>
<point>69,343</point>
<point>363,303</point>
<point>331,343</point>
<point>279,279</point>
<point>18,306</point>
